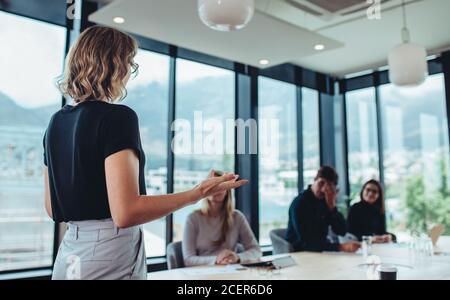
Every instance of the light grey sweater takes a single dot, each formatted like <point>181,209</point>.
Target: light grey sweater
<point>201,231</point>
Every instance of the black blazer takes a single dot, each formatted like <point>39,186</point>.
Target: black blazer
<point>309,220</point>
<point>366,219</point>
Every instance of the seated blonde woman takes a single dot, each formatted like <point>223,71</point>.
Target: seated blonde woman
<point>212,233</point>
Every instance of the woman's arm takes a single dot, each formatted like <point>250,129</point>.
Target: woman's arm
<point>48,203</point>
<point>189,246</point>
<point>247,239</point>
<point>129,208</point>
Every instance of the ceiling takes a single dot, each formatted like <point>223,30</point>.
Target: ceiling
<point>287,30</point>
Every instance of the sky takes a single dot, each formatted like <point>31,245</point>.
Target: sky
<point>32,57</point>
<point>155,67</point>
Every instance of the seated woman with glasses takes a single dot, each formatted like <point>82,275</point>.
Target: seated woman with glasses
<point>367,217</point>
<point>214,233</point>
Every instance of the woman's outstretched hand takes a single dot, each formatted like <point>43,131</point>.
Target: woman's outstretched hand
<point>218,184</point>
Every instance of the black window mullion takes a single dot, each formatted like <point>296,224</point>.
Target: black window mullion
<point>321,135</point>
<point>170,136</point>
<point>345,148</point>
<point>376,81</point>
<point>246,165</point>
<point>57,226</point>
<point>446,69</point>
<point>299,103</point>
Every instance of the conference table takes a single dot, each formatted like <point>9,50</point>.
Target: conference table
<point>331,266</point>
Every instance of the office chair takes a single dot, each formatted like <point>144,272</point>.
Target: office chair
<point>175,256</point>
<point>279,243</point>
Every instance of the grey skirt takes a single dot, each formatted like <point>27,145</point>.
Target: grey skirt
<point>100,250</point>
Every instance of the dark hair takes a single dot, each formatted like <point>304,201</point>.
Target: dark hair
<point>380,200</point>
<point>328,173</point>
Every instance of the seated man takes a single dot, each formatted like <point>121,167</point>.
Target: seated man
<point>313,211</point>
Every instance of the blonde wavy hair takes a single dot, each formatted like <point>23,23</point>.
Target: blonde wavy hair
<point>227,211</point>
<point>98,64</point>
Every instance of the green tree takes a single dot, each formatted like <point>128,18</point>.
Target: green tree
<point>416,204</point>
<point>425,208</point>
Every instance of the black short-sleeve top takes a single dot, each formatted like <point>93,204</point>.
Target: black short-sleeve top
<point>77,141</point>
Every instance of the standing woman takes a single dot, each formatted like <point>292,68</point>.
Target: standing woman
<point>94,174</point>
<point>214,233</point>
<point>367,217</point>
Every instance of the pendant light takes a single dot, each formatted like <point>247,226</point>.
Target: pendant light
<point>407,61</point>
<point>226,15</point>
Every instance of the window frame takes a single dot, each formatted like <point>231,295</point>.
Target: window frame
<point>378,138</point>
<point>246,89</point>
<point>208,61</point>
<point>48,16</point>
<point>377,79</point>
<point>298,124</point>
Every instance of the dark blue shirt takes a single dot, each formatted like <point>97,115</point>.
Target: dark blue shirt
<point>77,142</point>
<point>309,221</point>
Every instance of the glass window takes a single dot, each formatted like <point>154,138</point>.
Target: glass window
<point>278,167</point>
<point>32,55</point>
<point>148,95</point>
<point>362,136</point>
<point>416,155</point>
<point>311,135</point>
<point>203,140</point>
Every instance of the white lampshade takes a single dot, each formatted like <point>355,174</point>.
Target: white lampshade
<point>408,64</point>
<point>226,15</point>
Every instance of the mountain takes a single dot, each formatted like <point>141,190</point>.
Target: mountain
<point>214,96</point>
<point>44,113</point>
<point>149,101</point>
<point>13,115</point>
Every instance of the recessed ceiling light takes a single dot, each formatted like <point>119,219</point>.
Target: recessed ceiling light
<point>264,62</point>
<point>119,20</point>
<point>319,47</point>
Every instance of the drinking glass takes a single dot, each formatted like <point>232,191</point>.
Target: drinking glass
<point>366,245</point>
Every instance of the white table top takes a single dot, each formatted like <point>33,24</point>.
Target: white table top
<point>340,266</point>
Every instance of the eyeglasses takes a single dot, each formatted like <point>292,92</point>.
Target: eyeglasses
<point>369,190</point>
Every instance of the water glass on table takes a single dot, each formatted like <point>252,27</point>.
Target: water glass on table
<point>366,246</point>
<point>427,247</point>
<point>421,250</point>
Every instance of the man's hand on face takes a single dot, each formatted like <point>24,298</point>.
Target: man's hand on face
<point>330,192</point>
